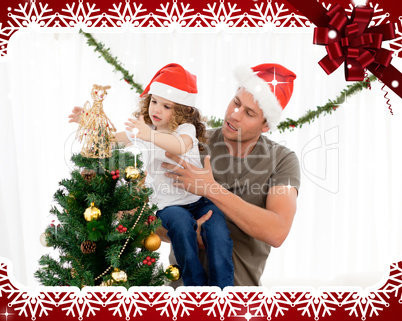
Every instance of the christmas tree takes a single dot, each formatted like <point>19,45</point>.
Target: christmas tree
<point>105,233</point>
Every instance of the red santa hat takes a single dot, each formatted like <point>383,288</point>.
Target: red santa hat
<point>271,85</point>
<point>174,83</point>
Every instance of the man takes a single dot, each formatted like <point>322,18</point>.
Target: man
<point>253,180</point>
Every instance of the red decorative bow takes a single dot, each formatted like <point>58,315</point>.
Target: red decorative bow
<point>353,42</point>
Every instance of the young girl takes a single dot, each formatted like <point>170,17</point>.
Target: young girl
<point>168,121</point>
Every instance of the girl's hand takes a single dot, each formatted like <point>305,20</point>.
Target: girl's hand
<point>76,115</point>
<point>144,131</point>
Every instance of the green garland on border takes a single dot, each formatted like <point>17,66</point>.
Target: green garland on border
<point>328,108</point>
<point>100,47</point>
<point>214,122</point>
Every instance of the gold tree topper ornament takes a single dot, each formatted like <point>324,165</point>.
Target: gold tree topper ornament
<point>95,128</point>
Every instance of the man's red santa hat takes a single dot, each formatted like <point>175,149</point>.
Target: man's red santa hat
<point>271,85</point>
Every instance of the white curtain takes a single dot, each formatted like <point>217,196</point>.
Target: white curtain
<point>347,227</point>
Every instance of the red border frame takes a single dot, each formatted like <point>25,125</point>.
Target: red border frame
<point>388,299</point>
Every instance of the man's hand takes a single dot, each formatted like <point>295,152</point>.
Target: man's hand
<point>201,221</point>
<point>76,115</point>
<point>144,131</point>
<point>162,232</point>
<point>199,181</point>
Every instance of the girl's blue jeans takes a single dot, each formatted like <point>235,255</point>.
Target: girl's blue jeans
<point>181,224</point>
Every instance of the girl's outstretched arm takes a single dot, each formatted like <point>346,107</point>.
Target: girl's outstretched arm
<point>178,145</point>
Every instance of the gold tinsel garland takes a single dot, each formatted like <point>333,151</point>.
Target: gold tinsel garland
<point>125,244</point>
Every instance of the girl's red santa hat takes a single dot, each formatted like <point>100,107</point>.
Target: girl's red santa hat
<point>174,83</point>
<point>271,85</point>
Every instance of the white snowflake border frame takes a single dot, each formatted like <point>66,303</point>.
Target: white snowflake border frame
<point>204,302</point>
<point>252,302</point>
<point>131,15</point>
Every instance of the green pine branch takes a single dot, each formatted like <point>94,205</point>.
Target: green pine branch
<point>214,122</point>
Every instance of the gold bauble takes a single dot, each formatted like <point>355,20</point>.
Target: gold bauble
<point>92,213</point>
<point>173,272</point>
<point>119,275</point>
<point>107,283</point>
<point>152,242</point>
<point>132,173</point>
<point>43,239</point>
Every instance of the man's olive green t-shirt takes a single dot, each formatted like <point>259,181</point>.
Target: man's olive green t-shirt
<point>269,164</point>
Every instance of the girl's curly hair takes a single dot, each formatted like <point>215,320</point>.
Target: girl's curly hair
<point>181,114</point>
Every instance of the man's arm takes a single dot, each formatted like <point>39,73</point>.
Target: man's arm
<point>270,224</point>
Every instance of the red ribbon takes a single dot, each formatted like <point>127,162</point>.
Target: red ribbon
<point>352,41</point>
